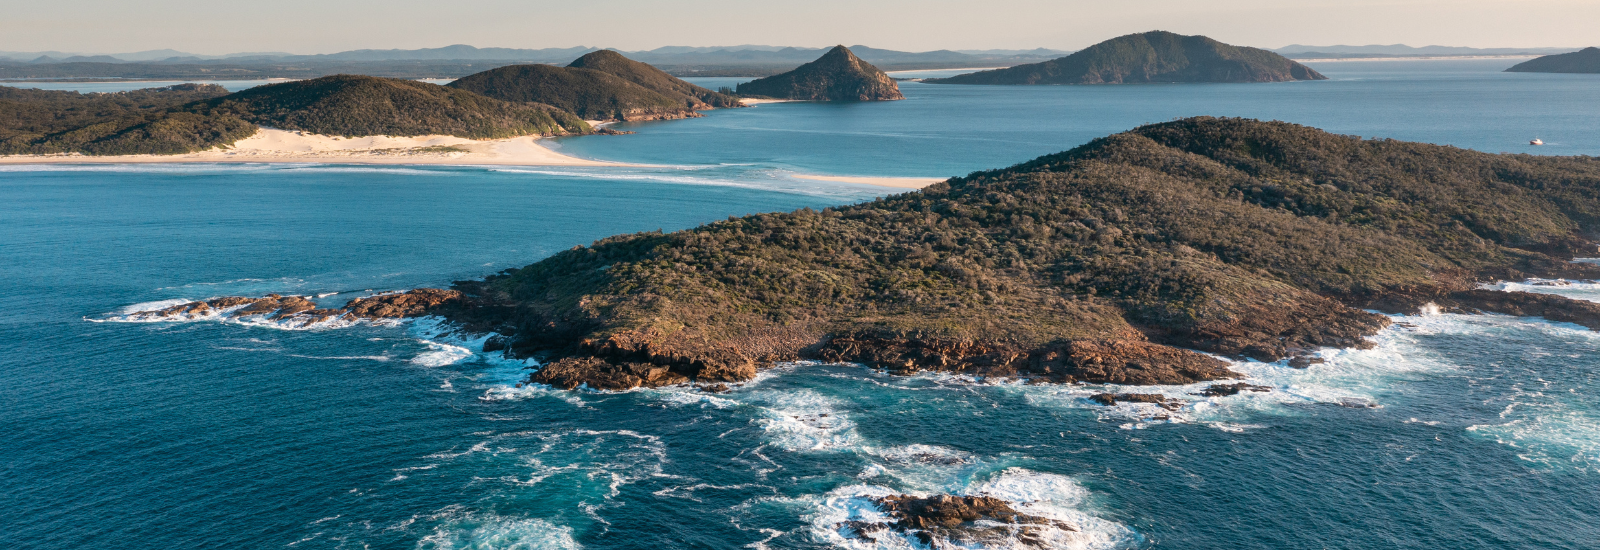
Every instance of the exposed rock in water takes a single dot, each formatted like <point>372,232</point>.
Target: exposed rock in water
<point>837,76</point>
<point>1223,390</point>
<point>300,311</point>
<point>1110,399</point>
<point>960,520</point>
<point>574,372</point>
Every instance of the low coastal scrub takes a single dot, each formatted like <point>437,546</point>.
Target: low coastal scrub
<point>602,85</point>
<point>1156,56</point>
<point>1238,237</point>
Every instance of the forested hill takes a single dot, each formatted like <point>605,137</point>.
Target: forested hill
<point>134,122</point>
<point>351,105</point>
<point>653,79</point>
<point>602,85</point>
<point>836,76</point>
<point>1156,56</point>
<point>1238,237</point>
<point>1586,60</point>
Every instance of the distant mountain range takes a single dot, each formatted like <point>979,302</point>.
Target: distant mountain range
<point>689,55</point>
<point>1300,51</point>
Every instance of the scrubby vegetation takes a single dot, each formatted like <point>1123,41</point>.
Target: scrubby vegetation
<point>351,105</point>
<point>1586,60</point>
<point>1156,56</point>
<point>836,76</point>
<point>148,121</point>
<point>1234,236</point>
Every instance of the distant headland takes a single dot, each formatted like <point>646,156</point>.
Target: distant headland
<point>1150,57</point>
<point>1586,61</point>
<point>837,76</point>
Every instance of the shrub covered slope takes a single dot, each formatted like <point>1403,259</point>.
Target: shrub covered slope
<point>1156,56</point>
<point>148,121</point>
<point>1586,60</point>
<point>1238,237</point>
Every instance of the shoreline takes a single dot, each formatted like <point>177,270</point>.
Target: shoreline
<point>275,146</point>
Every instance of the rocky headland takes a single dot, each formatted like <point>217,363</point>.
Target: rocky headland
<point>1585,61</point>
<point>1156,56</point>
<point>836,76</point>
<point>1134,259</point>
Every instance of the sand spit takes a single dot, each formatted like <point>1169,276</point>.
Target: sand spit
<point>284,146</point>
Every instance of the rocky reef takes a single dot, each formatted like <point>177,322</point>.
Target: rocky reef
<point>300,311</point>
<point>836,76</point>
<point>941,521</point>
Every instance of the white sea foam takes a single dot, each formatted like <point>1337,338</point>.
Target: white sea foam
<point>439,355</point>
<point>804,420</point>
<point>459,530</point>
<point>1049,496</point>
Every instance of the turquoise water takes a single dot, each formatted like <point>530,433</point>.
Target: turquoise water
<point>1454,432</point>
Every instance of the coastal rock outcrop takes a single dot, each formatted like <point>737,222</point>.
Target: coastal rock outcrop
<point>1156,56</point>
<point>836,76</point>
<point>300,311</point>
<point>1094,361</point>
<point>940,521</point>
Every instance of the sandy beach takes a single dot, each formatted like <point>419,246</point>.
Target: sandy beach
<point>283,146</point>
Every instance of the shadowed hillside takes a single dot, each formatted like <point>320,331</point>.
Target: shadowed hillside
<point>1236,237</point>
<point>837,76</point>
<point>1156,56</point>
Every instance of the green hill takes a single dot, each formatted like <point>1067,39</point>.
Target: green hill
<point>1156,56</point>
<point>1102,264</point>
<point>653,79</point>
<point>351,105</point>
<point>1586,61</point>
<point>836,76</point>
<point>148,121</point>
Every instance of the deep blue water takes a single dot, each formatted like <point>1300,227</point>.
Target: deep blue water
<point>1485,431</point>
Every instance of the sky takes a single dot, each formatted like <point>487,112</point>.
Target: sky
<point>326,26</point>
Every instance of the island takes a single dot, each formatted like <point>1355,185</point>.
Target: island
<point>1151,57</point>
<point>836,76</point>
<point>602,86</point>
<point>1585,61</point>
<point>1138,258</point>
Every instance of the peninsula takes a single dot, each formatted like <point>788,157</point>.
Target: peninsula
<point>837,76</point>
<point>1156,56</point>
<point>1115,262</point>
<point>1585,61</point>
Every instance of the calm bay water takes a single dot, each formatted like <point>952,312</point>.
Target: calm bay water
<point>1455,432</point>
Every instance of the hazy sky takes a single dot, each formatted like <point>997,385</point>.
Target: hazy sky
<point>323,26</point>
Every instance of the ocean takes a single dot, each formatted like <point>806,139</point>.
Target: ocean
<point>1453,432</point>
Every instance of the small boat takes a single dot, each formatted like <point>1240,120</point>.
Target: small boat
<point>1536,141</point>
